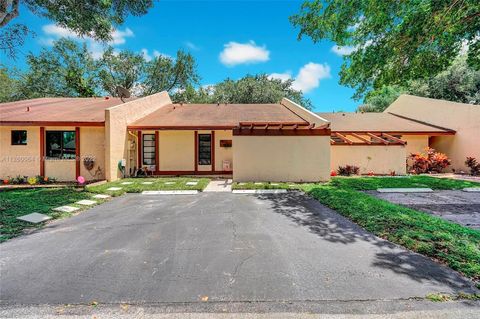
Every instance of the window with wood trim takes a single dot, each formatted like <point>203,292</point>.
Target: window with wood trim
<point>148,145</point>
<point>60,144</point>
<point>19,137</point>
<point>204,149</point>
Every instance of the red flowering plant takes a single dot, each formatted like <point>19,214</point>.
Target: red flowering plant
<point>428,162</point>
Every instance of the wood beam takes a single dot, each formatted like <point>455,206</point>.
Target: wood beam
<point>378,138</point>
<point>361,138</point>
<point>344,138</point>
<point>77,152</point>
<point>393,138</point>
<point>42,151</point>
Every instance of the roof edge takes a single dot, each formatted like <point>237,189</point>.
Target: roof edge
<point>285,101</point>
<point>422,122</point>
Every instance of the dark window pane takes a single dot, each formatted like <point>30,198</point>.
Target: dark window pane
<point>204,149</point>
<point>148,149</point>
<point>60,144</point>
<point>19,137</point>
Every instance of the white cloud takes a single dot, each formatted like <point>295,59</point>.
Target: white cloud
<point>343,50</point>
<point>119,37</point>
<point>192,46</point>
<point>309,76</point>
<point>57,31</point>
<point>146,56</point>
<point>281,76</point>
<point>243,53</point>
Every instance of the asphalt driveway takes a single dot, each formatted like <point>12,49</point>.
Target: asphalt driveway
<point>227,247</point>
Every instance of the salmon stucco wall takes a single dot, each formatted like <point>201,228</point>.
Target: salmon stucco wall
<point>378,159</point>
<point>415,143</point>
<point>92,145</point>
<point>177,150</point>
<point>281,158</point>
<point>21,160</point>
<point>463,118</point>
<point>117,118</point>
<point>223,153</point>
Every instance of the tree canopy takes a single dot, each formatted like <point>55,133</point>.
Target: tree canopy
<point>393,41</point>
<point>69,69</point>
<point>458,83</point>
<point>95,18</point>
<point>249,89</point>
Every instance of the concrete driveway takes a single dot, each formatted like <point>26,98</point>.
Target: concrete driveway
<point>217,246</point>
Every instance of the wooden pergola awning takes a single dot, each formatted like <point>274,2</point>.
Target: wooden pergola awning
<point>280,128</point>
<point>365,138</point>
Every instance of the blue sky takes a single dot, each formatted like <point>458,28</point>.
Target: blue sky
<point>228,39</point>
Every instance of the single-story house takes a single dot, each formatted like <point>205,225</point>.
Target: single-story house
<point>107,138</point>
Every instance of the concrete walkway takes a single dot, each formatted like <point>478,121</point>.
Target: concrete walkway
<point>219,185</point>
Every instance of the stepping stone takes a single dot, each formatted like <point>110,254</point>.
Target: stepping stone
<point>34,218</point>
<point>241,183</point>
<point>291,185</point>
<point>179,192</point>
<point>258,183</point>
<point>66,209</point>
<point>127,183</point>
<point>472,189</point>
<point>114,189</point>
<point>405,190</point>
<point>259,191</point>
<point>101,196</point>
<point>147,183</point>
<point>86,202</point>
<point>169,183</point>
<point>191,183</point>
<point>274,184</point>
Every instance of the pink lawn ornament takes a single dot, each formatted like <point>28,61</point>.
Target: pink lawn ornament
<point>81,179</point>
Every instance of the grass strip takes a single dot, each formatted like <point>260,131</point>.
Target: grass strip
<point>372,183</point>
<point>153,184</point>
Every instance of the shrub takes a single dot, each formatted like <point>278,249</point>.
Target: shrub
<point>348,170</point>
<point>474,166</point>
<point>429,162</point>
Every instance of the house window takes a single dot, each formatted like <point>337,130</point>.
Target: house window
<point>60,144</point>
<point>148,144</point>
<point>204,149</point>
<point>19,137</point>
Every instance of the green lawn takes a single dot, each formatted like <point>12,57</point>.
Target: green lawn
<point>158,183</point>
<point>15,203</point>
<point>372,183</point>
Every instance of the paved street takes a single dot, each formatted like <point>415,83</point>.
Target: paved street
<point>214,248</point>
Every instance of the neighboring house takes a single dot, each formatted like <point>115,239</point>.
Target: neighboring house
<point>105,138</point>
<point>464,119</point>
<point>93,137</point>
<point>378,142</point>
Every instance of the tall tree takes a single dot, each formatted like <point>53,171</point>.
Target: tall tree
<point>393,41</point>
<point>124,68</point>
<point>93,18</point>
<point>249,89</point>
<point>458,83</point>
<point>9,85</point>
<point>67,69</point>
<point>167,74</point>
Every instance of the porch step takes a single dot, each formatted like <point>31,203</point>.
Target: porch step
<point>220,185</point>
